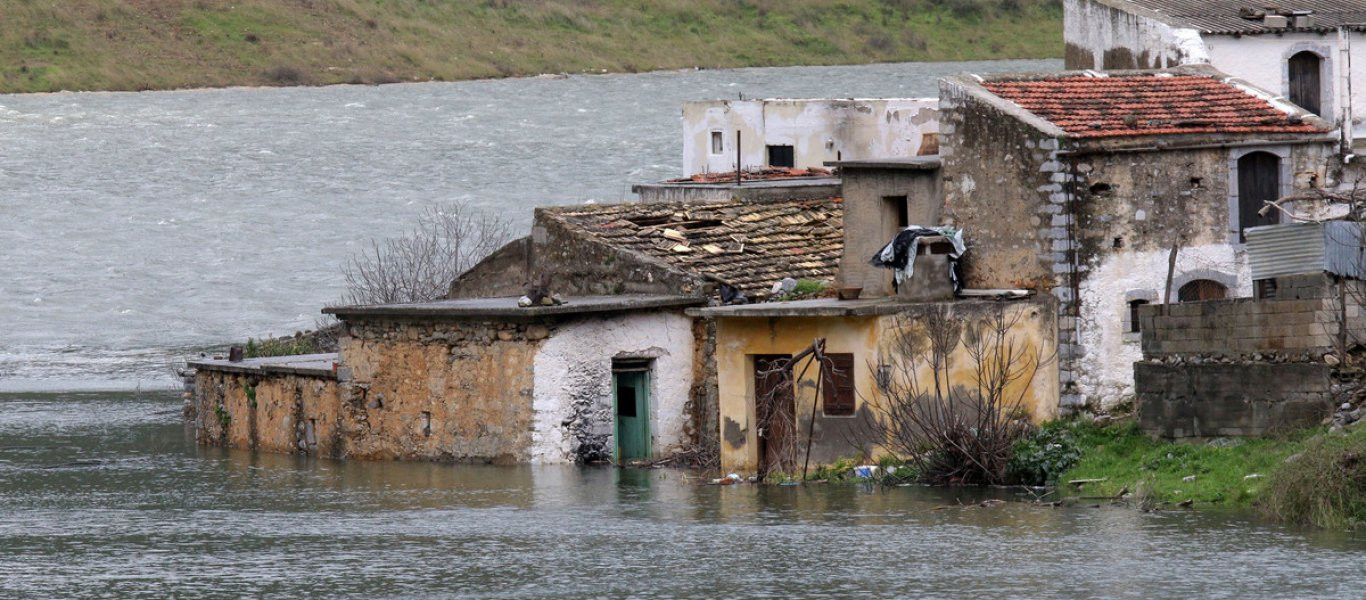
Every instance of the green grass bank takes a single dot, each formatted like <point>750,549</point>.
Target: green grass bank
<point>1310,477</point>
<point>50,45</point>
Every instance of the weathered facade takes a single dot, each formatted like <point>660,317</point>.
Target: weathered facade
<point>882,197</point>
<point>477,380</point>
<point>870,337</point>
<point>1079,185</point>
<point>804,133</point>
<point>1311,59</point>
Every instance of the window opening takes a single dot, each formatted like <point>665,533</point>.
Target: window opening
<point>1259,182</point>
<point>1202,290</point>
<point>1306,78</point>
<point>717,143</point>
<point>1134,305</point>
<point>781,156</point>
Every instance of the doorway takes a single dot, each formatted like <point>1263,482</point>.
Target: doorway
<point>631,408</point>
<point>775,412</point>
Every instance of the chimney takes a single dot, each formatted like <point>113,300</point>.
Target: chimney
<point>1303,20</point>
<point>1275,21</point>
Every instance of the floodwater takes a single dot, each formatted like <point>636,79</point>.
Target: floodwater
<point>105,495</point>
<point>136,228</point>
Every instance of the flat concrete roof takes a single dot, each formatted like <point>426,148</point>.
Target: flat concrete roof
<point>819,307</point>
<point>919,163</point>
<point>787,182</point>
<point>308,365</point>
<point>506,307</point>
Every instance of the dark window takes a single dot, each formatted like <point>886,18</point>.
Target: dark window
<point>1133,314</point>
<point>717,142</point>
<point>1306,81</point>
<point>1201,290</point>
<point>897,206</point>
<point>1259,182</point>
<point>1266,289</point>
<point>781,156</point>
<point>626,402</point>
<point>838,385</point>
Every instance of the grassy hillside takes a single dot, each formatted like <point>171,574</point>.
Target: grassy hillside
<point>48,45</point>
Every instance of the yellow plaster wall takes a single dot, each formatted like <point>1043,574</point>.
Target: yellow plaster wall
<point>738,340</point>
<point>867,338</point>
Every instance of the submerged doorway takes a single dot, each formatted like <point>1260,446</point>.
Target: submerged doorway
<point>631,407</point>
<point>774,411</point>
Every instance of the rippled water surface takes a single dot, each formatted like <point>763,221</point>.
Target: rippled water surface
<point>103,495</point>
<point>137,226</point>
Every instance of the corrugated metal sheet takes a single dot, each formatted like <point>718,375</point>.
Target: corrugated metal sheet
<point>1221,16</point>
<point>1337,247</point>
<point>1344,251</point>
<point>1281,250</point>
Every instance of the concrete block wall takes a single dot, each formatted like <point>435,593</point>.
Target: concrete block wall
<point>1231,399</point>
<point>1237,328</point>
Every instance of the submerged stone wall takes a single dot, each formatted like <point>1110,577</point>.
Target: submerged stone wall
<point>504,391</point>
<point>274,412</point>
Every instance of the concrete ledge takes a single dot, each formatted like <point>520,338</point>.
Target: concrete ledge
<point>506,307</point>
<point>820,307</point>
<point>306,365</point>
<point>919,163</point>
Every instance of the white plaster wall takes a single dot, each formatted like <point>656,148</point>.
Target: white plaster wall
<point>1106,371</point>
<point>577,360</point>
<point>819,130</point>
<point>1261,60</point>
<point>1097,28</point>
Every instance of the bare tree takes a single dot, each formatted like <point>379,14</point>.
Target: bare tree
<point>956,423</point>
<point>447,240</point>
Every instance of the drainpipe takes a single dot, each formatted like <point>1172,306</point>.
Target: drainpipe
<point>1345,54</point>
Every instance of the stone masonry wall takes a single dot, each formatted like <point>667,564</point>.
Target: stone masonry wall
<point>275,413</point>
<point>458,390</point>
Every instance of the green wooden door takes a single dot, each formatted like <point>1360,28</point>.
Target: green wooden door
<point>631,390</point>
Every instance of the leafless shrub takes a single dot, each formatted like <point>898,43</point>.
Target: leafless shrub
<point>447,240</point>
<point>956,428</point>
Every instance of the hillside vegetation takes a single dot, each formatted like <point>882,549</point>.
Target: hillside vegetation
<point>48,45</point>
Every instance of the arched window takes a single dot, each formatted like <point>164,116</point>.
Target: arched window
<point>1306,81</point>
<point>1201,290</point>
<point>1259,181</point>
<point>1133,314</point>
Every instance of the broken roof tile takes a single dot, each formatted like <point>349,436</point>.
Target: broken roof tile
<point>749,245</point>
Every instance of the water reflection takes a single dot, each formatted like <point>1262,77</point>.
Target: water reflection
<point>133,509</point>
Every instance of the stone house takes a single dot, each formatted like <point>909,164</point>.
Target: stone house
<point>804,133</point>
<point>619,372</point>
<point>1308,51</point>
<point>1078,184</point>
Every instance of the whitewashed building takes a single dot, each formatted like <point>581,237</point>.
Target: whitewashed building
<point>805,133</point>
<point>1312,52</point>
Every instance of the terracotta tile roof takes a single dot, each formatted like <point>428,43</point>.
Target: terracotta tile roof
<point>748,245</point>
<point>1133,105</point>
<point>1226,16</point>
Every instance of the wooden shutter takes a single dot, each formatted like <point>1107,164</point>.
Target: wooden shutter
<point>1305,81</point>
<point>1259,181</point>
<point>838,385</point>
